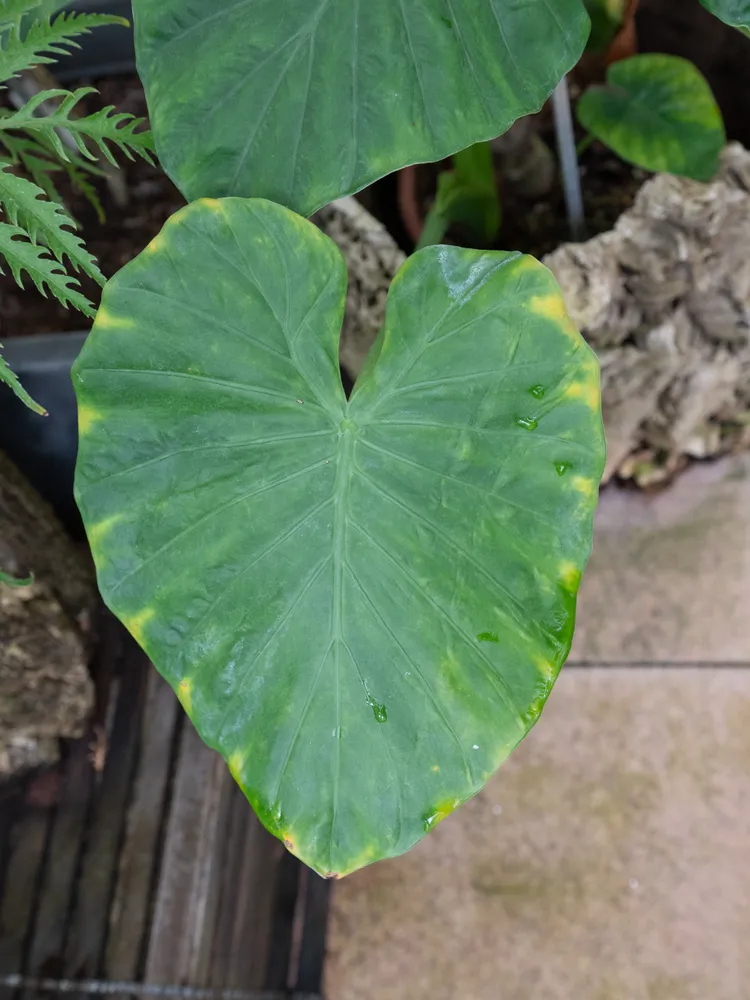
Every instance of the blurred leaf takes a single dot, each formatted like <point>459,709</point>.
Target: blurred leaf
<point>733,12</point>
<point>467,195</point>
<point>657,112</point>
<point>606,20</point>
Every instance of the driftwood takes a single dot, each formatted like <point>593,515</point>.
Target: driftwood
<point>45,689</point>
<point>664,299</point>
<point>372,259</point>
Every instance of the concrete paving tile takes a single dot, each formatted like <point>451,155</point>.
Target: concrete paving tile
<point>607,860</point>
<point>669,578</point>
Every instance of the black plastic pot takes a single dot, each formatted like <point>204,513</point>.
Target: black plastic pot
<point>44,448</point>
<point>107,51</point>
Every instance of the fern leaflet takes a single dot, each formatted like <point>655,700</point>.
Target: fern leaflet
<point>46,40</point>
<point>46,272</point>
<point>101,128</point>
<point>11,379</point>
<point>44,221</point>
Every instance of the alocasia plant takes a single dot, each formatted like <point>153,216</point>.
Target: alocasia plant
<point>362,603</point>
<point>658,112</point>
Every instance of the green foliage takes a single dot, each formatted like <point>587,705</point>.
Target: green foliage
<point>606,20</point>
<point>47,274</point>
<point>467,194</point>
<point>39,237</point>
<point>10,379</point>
<point>45,40</point>
<point>11,581</point>
<point>362,604</point>
<point>658,112</point>
<point>93,134</point>
<point>734,12</point>
<point>44,222</point>
<point>331,95</point>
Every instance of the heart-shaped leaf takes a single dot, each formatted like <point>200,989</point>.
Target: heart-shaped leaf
<point>303,101</point>
<point>362,604</point>
<point>734,12</point>
<point>658,112</point>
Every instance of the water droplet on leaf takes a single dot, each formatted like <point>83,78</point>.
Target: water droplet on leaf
<point>431,821</point>
<point>537,391</point>
<point>488,637</point>
<point>528,423</point>
<point>562,467</point>
<point>379,711</point>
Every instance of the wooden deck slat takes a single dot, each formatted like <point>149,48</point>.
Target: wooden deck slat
<point>187,899</point>
<point>314,927</point>
<point>242,932</point>
<point>28,839</point>
<point>56,893</point>
<point>132,899</point>
<point>86,941</point>
<point>282,927</point>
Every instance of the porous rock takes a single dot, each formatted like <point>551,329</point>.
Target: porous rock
<point>663,298</point>
<point>45,629</point>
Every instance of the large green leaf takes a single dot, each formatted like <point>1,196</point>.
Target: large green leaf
<point>362,605</point>
<point>658,112</point>
<point>734,12</point>
<point>303,101</point>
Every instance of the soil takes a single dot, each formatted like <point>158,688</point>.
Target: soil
<point>538,225</point>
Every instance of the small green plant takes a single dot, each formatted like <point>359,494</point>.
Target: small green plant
<point>37,235</point>
<point>658,112</point>
<point>468,195</point>
<point>362,603</point>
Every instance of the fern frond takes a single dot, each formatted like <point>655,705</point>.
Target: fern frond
<point>44,221</point>
<point>11,379</point>
<point>47,40</point>
<point>39,161</point>
<point>79,171</point>
<point>12,12</point>
<point>101,128</point>
<point>46,272</point>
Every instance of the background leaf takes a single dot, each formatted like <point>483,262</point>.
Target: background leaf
<point>302,102</point>
<point>363,605</point>
<point>734,12</point>
<point>606,20</point>
<point>657,112</point>
<point>466,194</point>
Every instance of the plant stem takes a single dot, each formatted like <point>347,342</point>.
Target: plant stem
<point>566,148</point>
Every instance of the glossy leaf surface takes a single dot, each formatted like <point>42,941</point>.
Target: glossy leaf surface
<point>658,112</point>
<point>734,12</point>
<point>303,101</point>
<point>362,604</point>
